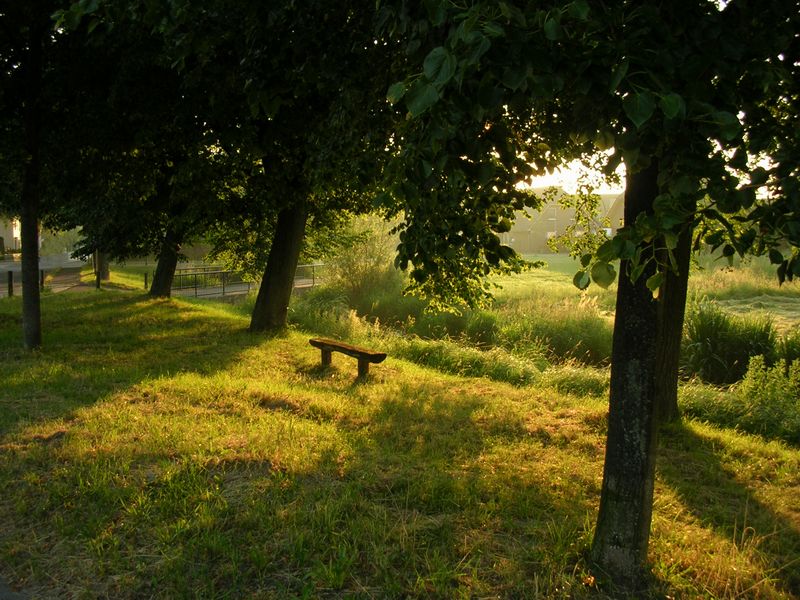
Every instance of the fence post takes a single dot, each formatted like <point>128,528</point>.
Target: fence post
<point>10,283</point>
<point>223,284</point>
<point>195,285</point>
<point>145,280</point>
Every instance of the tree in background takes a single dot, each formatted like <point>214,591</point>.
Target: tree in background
<point>148,171</point>
<point>32,78</point>
<point>302,93</point>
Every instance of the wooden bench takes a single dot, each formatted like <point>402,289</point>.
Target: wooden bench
<point>363,355</point>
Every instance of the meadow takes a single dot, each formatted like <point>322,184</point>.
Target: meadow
<point>155,448</point>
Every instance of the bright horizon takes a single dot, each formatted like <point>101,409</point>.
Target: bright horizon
<point>567,179</point>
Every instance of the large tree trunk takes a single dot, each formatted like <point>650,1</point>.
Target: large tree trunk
<point>671,312</point>
<point>272,302</point>
<point>102,268</point>
<point>29,214</point>
<point>623,525</point>
<point>166,265</point>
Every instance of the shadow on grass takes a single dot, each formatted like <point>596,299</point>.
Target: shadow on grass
<point>100,342</point>
<point>690,463</point>
<point>399,502</point>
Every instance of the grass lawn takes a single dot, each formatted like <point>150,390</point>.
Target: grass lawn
<point>155,448</point>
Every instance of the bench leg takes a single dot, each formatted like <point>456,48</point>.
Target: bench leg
<point>363,367</point>
<point>326,358</point>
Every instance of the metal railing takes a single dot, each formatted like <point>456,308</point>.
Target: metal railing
<point>213,281</point>
<point>207,282</point>
<point>55,280</point>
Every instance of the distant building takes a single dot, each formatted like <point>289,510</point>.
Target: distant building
<point>9,233</point>
<point>531,231</point>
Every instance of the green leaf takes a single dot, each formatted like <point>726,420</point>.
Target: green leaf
<point>603,274</point>
<point>606,251</point>
<point>729,126</point>
<point>759,176</point>
<point>580,10</point>
<point>480,45</point>
<point>552,29</point>
<point>604,140</point>
<point>581,280</point>
<point>396,92</point>
<point>775,257</point>
<point>654,282</point>
<point>420,98</point>
<point>72,18</point>
<point>619,74</point>
<point>782,272</point>
<point>514,77</point>
<point>673,106</point>
<point>436,12</point>
<point>794,265</point>
<point>493,29</point>
<point>628,250</point>
<point>671,240</point>
<point>639,107</point>
<point>585,260</point>
<point>439,66</point>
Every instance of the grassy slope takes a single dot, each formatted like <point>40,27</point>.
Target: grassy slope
<point>155,448</point>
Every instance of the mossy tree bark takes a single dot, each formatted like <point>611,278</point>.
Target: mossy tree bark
<point>671,313</point>
<point>167,263</point>
<point>102,265</point>
<point>272,302</point>
<point>619,548</point>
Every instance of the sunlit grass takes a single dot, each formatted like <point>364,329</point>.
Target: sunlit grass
<point>157,449</point>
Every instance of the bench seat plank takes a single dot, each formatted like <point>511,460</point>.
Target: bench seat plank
<point>363,355</point>
<point>354,351</point>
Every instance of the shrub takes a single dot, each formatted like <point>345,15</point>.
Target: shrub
<point>717,346</point>
<point>765,402</point>
<point>789,349</point>
<point>365,268</point>
<point>769,400</point>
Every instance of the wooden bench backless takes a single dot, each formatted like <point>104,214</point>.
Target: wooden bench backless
<point>363,355</point>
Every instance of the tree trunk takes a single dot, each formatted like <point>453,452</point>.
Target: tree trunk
<point>101,265</point>
<point>623,525</point>
<point>29,214</point>
<point>166,265</point>
<point>272,302</point>
<point>671,312</point>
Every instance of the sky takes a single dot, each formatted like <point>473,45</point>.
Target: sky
<point>567,178</point>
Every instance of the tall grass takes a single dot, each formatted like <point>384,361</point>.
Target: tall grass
<point>766,402</point>
<point>551,320</point>
<point>718,346</point>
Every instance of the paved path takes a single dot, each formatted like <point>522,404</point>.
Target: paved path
<point>7,594</point>
<point>45,262</point>
<point>64,275</point>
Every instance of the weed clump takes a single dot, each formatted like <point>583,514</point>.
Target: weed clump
<point>717,347</point>
<point>766,402</point>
